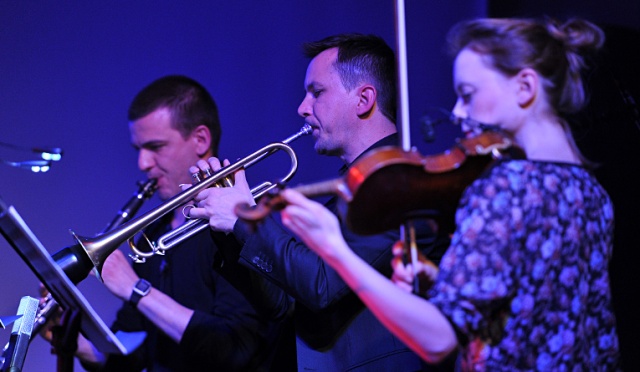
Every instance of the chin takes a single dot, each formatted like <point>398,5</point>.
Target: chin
<point>166,194</point>
<point>320,149</point>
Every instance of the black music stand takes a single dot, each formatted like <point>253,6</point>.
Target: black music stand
<point>18,234</point>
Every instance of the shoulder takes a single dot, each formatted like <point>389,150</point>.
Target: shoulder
<point>528,175</point>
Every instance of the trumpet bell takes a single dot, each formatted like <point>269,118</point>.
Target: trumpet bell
<point>78,260</point>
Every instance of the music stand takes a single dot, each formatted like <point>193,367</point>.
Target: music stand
<point>22,239</point>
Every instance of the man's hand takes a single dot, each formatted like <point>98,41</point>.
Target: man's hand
<point>45,299</point>
<point>217,204</point>
<point>118,275</point>
<point>85,349</point>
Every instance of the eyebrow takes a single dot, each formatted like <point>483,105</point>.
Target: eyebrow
<point>148,144</point>
<point>458,87</point>
<point>312,85</point>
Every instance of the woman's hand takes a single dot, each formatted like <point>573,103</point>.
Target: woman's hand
<point>314,224</point>
<point>404,274</point>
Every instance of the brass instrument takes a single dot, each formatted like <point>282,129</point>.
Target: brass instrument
<point>187,230</point>
<point>90,253</point>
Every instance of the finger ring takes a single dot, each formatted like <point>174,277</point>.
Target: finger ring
<point>186,210</point>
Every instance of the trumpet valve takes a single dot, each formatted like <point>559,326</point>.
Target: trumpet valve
<point>197,178</point>
<point>201,175</point>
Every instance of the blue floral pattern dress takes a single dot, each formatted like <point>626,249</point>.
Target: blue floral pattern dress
<point>525,282</point>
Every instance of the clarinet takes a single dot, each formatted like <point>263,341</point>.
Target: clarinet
<point>49,306</point>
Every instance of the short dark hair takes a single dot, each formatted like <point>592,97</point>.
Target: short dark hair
<point>189,103</point>
<point>363,58</point>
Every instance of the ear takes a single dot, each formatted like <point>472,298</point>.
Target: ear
<point>527,86</point>
<point>201,137</point>
<point>367,96</point>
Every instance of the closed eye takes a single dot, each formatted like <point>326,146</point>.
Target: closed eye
<point>153,146</point>
<point>466,97</point>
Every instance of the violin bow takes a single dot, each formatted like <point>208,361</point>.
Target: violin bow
<point>407,229</point>
<point>403,85</point>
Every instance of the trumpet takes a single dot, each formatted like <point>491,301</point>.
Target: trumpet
<point>187,230</point>
<point>90,253</point>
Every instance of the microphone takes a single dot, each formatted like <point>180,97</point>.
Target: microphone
<point>474,125</point>
<point>436,116</point>
<point>21,333</point>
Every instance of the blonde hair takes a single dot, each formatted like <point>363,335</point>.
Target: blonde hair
<point>554,50</point>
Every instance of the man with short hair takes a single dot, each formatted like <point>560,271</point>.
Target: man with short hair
<point>195,318</point>
<point>350,103</point>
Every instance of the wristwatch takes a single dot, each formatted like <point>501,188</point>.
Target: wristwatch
<point>140,289</point>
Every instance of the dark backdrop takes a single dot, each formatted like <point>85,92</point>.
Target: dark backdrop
<point>69,70</point>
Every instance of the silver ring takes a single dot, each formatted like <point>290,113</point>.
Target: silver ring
<point>187,212</point>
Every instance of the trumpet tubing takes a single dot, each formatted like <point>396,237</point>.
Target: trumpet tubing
<point>91,253</point>
<point>192,227</point>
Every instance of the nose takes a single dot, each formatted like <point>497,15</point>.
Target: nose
<point>304,109</point>
<point>145,160</point>
<point>458,110</point>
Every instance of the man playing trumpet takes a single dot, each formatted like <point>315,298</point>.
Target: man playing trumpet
<point>194,318</point>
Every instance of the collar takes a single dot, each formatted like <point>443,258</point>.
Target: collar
<point>390,140</point>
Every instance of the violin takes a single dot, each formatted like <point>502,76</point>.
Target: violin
<point>387,186</point>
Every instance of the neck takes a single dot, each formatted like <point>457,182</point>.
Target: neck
<point>364,138</point>
<point>546,140</point>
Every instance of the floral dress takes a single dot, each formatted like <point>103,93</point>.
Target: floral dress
<point>525,282</point>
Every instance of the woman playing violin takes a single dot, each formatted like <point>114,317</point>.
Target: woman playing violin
<point>524,284</point>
